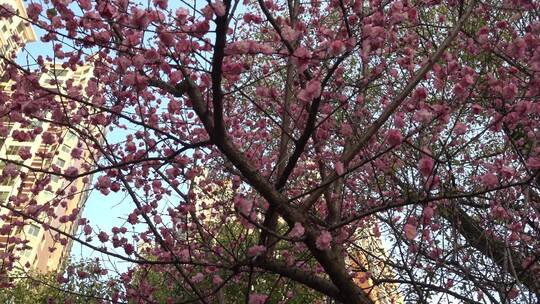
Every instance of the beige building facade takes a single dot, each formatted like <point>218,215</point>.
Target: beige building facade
<point>24,243</point>
<point>369,260</point>
<point>13,30</point>
<point>43,249</point>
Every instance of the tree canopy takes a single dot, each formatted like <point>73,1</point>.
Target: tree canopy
<point>84,282</point>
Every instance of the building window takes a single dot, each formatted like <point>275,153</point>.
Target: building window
<point>66,148</point>
<point>4,196</point>
<point>48,195</point>
<point>36,123</point>
<point>27,252</point>
<point>60,162</point>
<point>21,29</point>
<point>8,182</point>
<point>13,150</point>
<point>60,73</point>
<point>33,230</point>
<point>70,136</point>
<point>54,178</point>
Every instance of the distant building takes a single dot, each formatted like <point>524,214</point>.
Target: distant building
<point>44,250</point>
<point>369,260</point>
<point>23,242</point>
<point>12,28</point>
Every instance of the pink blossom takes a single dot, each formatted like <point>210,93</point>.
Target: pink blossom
<point>103,237</point>
<point>21,136</point>
<point>76,153</point>
<point>184,255</point>
<point>459,90</point>
<point>7,11</point>
<point>476,108</point>
<point>243,205</point>
<point>48,138</point>
<point>219,8</point>
<point>256,250</point>
<point>162,4</point>
<point>410,231</point>
<point>166,38</point>
<point>248,18</point>
<point>33,10</point>
<point>115,187</point>
<point>10,170</point>
<point>33,209</point>
<point>423,116</point>
<point>289,33</point>
<point>159,114</point>
<point>129,249</point>
<point>513,293</point>
<point>71,172</point>
<point>394,137</point>
<point>24,153</point>
<point>312,91</point>
<point>255,298</point>
<point>460,128</point>
<point>181,15</point>
<point>533,163</point>
<point>509,91</point>
<point>420,93</point>
<point>425,165</point>
<point>490,180</point>
<point>301,56</point>
<point>468,80</point>
<point>346,130</point>
<point>131,147</point>
<point>87,229</point>
<point>133,218</point>
<point>297,231</point>
<point>399,120</point>
<point>428,212</point>
<point>324,240</point>
<point>339,168</point>
<point>103,184</point>
<point>508,172</point>
<point>217,280</point>
<point>336,47</point>
<point>198,277</point>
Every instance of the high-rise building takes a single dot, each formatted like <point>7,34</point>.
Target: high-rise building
<point>13,30</point>
<point>42,249</point>
<point>369,259</point>
<point>25,243</point>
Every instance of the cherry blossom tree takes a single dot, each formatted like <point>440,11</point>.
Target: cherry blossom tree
<point>313,127</point>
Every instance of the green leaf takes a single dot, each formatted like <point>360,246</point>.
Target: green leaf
<point>52,12</point>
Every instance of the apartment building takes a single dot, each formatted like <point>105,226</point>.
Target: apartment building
<point>41,249</point>
<point>369,260</point>
<point>14,30</point>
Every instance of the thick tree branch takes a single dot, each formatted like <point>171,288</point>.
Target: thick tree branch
<point>309,279</point>
<point>490,247</point>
